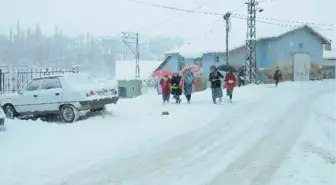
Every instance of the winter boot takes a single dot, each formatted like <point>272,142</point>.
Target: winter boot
<point>214,101</point>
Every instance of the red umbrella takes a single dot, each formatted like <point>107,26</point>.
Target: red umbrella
<point>162,73</point>
<point>193,68</point>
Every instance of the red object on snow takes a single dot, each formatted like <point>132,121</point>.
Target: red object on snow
<point>161,73</point>
<point>193,68</point>
<point>165,113</point>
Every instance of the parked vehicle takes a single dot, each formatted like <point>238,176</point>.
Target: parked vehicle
<point>65,95</point>
<point>2,121</point>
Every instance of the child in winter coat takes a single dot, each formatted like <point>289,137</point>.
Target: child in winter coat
<point>165,85</point>
<point>176,87</point>
<point>230,81</point>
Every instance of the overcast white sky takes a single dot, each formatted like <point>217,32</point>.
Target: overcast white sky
<point>108,17</point>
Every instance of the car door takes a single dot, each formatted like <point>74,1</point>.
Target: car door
<point>51,95</point>
<point>27,100</point>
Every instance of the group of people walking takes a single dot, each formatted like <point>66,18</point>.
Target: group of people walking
<point>175,85</point>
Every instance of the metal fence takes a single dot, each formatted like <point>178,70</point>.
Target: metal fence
<point>13,81</point>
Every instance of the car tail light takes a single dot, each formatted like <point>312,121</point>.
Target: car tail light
<point>114,92</point>
<point>91,93</point>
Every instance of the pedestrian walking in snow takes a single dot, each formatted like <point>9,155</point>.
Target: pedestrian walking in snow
<point>188,84</point>
<point>230,81</point>
<point>277,76</point>
<point>215,78</point>
<point>176,87</point>
<point>165,86</point>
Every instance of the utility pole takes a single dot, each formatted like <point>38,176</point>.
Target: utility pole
<point>251,62</point>
<point>227,28</point>
<point>131,41</point>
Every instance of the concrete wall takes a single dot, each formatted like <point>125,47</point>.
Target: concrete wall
<point>172,63</point>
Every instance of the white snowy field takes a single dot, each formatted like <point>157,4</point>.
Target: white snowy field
<point>268,135</point>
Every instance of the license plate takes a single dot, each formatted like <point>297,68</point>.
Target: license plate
<point>102,92</point>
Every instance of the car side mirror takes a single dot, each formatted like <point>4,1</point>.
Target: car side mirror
<point>20,91</point>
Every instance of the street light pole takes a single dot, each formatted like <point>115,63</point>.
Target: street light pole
<point>227,28</point>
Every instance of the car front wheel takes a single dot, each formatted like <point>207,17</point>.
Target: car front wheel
<point>69,114</point>
<point>10,112</point>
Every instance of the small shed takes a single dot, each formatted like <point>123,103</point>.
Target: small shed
<point>130,88</point>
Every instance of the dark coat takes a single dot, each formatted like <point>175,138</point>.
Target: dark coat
<point>277,75</point>
<point>176,87</point>
<point>215,79</point>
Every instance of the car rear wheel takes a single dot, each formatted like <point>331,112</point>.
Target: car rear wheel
<point>69,114</point>
<point>10,111</point>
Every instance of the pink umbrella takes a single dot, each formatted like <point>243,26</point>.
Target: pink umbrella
<point>161,73</point>
<point>193,68</point>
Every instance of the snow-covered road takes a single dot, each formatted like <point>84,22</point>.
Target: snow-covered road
<point>264,137</point>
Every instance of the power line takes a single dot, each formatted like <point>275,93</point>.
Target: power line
<point>234,15</point>
<point>175,17</point>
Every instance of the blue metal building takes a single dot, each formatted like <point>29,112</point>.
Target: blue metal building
<point>275,51</point>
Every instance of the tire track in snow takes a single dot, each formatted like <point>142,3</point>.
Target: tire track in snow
<point>191,155</point>
<point>258,165</point>
<point>186,148</point>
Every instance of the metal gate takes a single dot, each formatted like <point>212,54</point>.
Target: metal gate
<point>301,67</point>
<point>13,81</point>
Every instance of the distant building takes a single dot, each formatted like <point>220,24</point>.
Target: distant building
<point>295,51</point>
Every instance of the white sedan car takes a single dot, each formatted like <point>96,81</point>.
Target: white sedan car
<point>64,95</point>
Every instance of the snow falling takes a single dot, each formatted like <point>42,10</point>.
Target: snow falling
<point>286,137</point>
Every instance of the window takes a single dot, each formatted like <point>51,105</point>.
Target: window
<point>51,83</point>
<point>34,85</point>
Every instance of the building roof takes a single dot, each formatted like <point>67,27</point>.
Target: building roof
<point>216,45</point>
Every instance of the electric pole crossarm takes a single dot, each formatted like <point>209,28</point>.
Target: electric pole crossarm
<point>130,39</point>
<point>130,47</point>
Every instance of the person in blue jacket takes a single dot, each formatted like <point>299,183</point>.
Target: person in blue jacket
<point>188,84</point>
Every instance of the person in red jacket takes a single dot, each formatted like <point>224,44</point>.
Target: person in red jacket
<point>165,83</point>
<point>230,81</point>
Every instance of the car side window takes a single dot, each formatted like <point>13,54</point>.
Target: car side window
<point>51,83</point>
<point>34,85</point>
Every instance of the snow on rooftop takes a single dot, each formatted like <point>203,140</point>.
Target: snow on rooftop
<point>197,48</point>
<point>125,69</point>
<point>216,42</point>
